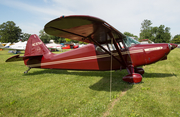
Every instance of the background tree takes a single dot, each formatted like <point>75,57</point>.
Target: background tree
<point>68,40</point>
<point>154,31</point>
<point>146,29</point>
<point>130,34</point>
<point>57,39</point>
<point>177,36</point>
<point>160,34</point>
<point>25,36</point>
<point>176,39</point>
<point>44,36</point>
<point>73,41</point>
<point>9,32</point>
<point>156,34</point>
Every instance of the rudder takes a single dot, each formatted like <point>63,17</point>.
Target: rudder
<point>35,46</point>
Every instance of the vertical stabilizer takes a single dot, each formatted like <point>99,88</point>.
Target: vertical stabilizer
<point>35,46</point>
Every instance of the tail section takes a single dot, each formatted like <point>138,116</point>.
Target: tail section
<point>35,47</point>
<point>35,50</point>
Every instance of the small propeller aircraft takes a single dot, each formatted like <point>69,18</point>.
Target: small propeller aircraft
<point>109,49</point>
<point>70,46</point>
<point>16,47</point>
<point>4,45</point>
<point>53,46</point>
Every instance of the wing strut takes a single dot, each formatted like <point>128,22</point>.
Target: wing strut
<point>104,49</point>
<point>118,50</point>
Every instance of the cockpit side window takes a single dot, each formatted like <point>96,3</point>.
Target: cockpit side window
<point>111,47</point>
<point>108,47</point>
<point>122,44</point>
<point>100,50</point>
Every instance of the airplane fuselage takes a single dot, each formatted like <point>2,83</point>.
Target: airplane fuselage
<point>89,58</point>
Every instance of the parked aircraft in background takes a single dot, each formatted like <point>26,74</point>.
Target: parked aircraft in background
<point>81,45</point>
<point>53,46</point>
<point>6,45</point>
<point>109,49</point>
<point>16,47</point>
<point>145,41</point>
<point>70,46</point>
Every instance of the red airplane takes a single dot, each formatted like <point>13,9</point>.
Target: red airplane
<point>70,46</point>
<point>109,49</point>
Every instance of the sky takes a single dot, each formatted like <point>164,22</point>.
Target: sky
<point>124,15</point>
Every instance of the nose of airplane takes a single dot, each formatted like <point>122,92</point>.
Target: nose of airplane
<point>173,46</point>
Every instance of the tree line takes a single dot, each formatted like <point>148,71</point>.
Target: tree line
<point>9,32</point>
<point>157,34</point>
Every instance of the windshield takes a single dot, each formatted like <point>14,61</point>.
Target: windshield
<point>129,41</point>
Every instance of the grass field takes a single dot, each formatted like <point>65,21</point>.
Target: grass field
<point>47,92</point>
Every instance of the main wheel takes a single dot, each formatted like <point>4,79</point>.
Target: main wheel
<point>133,78</point>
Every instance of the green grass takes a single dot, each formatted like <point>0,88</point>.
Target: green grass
<point>47,92</point>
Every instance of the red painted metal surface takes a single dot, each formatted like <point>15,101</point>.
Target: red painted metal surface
<point>143,54</point>
<point>84,58</point>
<point>133,78</point>
<point>70,46</point>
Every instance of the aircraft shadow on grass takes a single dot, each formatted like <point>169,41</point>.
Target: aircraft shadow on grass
<point>104,83</point>
<point>158,75</point>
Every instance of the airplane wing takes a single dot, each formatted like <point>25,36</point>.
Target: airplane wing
<point>17,49</point>
<point>10,48</point>
<point>80,28</point>
<point>87,29</point>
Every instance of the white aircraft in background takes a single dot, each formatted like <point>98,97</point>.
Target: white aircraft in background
<point>53,46</point>
<point>7,45</point>
<point>16,47</point>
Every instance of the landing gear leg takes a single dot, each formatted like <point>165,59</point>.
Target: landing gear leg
<point>132,77</point>
<point>27,71</point>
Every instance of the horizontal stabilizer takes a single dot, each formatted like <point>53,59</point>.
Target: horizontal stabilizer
<point>20,58</point>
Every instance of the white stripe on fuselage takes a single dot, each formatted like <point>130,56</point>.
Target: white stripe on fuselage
<point>70,60</point>
<point>152,49</point>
